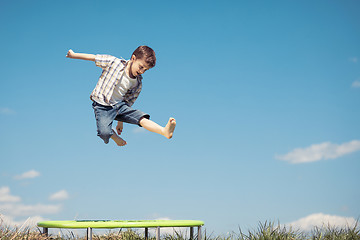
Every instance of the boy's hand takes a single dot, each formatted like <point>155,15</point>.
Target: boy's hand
<point>70,54</point>
<point>119,127</point>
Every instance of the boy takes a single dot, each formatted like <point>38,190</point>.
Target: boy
<point>116,91</point>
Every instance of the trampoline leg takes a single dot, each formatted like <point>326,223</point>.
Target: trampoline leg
<point>191,233</point>
<point>146,233</point>
<point>46,231</point>
<point>199,232</point>
<point>158,233</point>
<point>89,233</point>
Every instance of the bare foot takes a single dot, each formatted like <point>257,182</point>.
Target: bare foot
<point>169,128</point>
<point>118,140</point>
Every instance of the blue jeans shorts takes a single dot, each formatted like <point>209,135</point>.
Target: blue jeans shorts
<point>105,115</point>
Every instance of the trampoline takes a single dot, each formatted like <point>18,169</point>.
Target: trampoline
<point>109,224</point>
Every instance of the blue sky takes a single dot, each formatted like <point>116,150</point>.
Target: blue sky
<point>266,96</point>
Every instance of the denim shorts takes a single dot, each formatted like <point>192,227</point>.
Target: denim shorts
<point>105,115</point>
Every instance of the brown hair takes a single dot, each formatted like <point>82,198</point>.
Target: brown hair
<point>147,54</point>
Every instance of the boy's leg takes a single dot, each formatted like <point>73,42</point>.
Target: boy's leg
<point>118,140</point>
<point>133,116</point>
<point>104,118</point>
<point>151,126</point>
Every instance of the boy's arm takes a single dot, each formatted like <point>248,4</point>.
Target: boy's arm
<point>83,56</point>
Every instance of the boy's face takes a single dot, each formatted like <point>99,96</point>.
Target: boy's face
<point>137,67</point>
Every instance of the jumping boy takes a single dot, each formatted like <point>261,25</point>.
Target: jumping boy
<point>116,91</point>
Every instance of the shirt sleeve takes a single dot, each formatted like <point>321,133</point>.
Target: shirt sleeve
<point>132,100</point>
<point>103,60</point>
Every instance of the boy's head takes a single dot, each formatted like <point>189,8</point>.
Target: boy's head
<point>142,59</point>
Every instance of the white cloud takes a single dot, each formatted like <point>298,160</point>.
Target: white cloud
<point>60,195</point>
<point>15,214</point>
<point>9,221</point>
<point>6,111</point>
<point>15,210</point>
<point>322,151</point>
<point>5,195</point>
<point>322,220</point>
<point>356,84</point>
<point>165,230</point>
<point>353,59</point>
<point>171,230</point>
<point>139,130</point>
<point>29,174</point>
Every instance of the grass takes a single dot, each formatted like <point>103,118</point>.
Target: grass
<point>265,231</point>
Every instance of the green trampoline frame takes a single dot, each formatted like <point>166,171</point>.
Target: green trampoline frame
<point>90,224</point>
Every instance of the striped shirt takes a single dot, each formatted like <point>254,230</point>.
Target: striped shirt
<point>113,69</point>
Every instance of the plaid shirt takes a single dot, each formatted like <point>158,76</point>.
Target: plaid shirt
<point>113,69</point>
